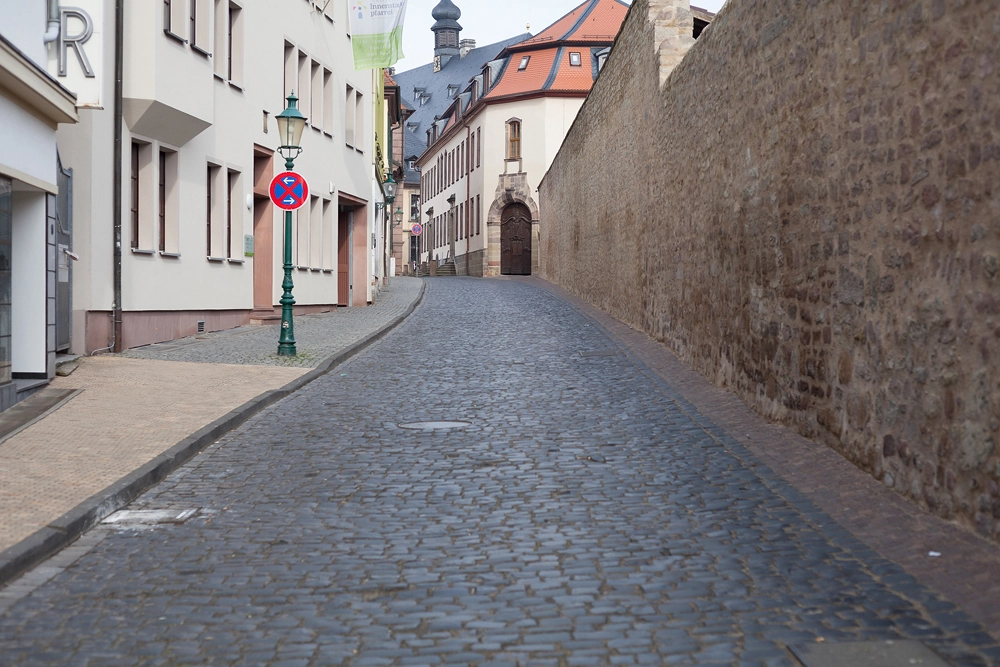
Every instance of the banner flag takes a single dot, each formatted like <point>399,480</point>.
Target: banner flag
<point>377,32</point>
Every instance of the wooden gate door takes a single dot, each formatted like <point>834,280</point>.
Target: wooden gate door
<point>515,241</point>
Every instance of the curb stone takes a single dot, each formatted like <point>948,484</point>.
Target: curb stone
<point>59,534</point>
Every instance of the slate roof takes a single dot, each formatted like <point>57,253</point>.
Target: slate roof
<point>456,72</point>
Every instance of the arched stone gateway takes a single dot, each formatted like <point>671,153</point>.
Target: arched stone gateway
<point>515,241</point>
<point>513,190</point>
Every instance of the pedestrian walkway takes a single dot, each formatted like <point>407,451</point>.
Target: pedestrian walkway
<point>136,406</point>
<point>579,509</point>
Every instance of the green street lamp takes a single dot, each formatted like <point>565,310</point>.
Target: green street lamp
<point>291,123</point>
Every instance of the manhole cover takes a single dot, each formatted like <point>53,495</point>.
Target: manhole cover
<point>147,518</point>
<point>434,426</point>
<point>868,654</point>
<point>598,353</point>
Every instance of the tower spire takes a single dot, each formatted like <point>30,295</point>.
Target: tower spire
<point>446,32</point>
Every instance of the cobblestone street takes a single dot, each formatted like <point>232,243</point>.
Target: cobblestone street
<point>587,514</point>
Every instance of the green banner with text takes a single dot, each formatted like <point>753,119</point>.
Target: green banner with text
<point>377,32</point>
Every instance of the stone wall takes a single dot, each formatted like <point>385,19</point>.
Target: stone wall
<point>807,211</point>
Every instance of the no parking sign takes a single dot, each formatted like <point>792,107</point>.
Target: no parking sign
<point>289,191</point>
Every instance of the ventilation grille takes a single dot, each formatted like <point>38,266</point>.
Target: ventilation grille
<point>201,326</point>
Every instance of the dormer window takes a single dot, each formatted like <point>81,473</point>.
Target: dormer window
<point>413,127</point>
<point>575,60</point>
<point>524,63</point>
<point>602,57</point>
<point>452,89</point>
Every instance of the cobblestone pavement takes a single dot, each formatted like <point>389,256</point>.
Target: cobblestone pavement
<point>317,336</point>
<point>588,515</point>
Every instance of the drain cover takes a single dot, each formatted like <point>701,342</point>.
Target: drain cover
<point>146,518</point>
<point>434,426</point>
<point>868,654</point>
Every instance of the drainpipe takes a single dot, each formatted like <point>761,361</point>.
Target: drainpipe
<point>116,343</point>
<point>52,33</point>
<point>468,194</point>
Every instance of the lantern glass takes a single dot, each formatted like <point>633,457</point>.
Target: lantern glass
<point>291,124</point>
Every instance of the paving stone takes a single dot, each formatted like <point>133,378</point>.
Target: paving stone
<point>330,536</point>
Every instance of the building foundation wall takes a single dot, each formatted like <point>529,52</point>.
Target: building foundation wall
<point>806,210</point>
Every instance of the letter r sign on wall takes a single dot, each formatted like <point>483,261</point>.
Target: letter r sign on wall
<point>76,59</point>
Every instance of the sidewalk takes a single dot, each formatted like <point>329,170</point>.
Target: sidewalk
<point>143,413</point>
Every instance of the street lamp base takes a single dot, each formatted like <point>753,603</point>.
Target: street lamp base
<point>287,350</point>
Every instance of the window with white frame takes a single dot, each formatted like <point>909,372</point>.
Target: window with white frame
<point>235,45</point>
<point>168,201</point>
<point>514,139</point>
<point>220,48</point>
<point>200,35</point>
<point>349,116</point>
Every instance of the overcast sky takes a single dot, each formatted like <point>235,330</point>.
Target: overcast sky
<point>488,21</point>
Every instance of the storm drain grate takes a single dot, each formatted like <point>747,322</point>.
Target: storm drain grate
<point>148,518</point>
<point>868,654</point>
<point>435,426</point>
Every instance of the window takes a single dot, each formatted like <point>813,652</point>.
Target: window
<point>479,214</point>
<point>201,34</point>
<point>602,57</point>
<point>134,208</point>
<point>209,187</point>
<point>513,140</point>
<point>142,212</point>
<point>524,63</point>
<point>414,207</point>
<point>174,16</point>
<point>302,90</point>
<point>327,232</point>
<point>575,60</point>
<point>232,217</point>
<point>349,105</point>
<point>315,233</point>
<point>163,201</point>
<point>359,124</point>
<point>291,72</point>
<point>316,97</point>
<point>328,101</point>
<point>235,52</point>
<point>479,145</point>
<point>221,39</point>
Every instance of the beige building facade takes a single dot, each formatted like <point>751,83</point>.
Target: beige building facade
<point>200,243</point>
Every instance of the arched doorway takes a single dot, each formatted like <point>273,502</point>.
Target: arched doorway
<point>515,241</point>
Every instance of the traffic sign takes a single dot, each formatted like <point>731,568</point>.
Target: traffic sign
<point>417,229</point>
<point>289,191</point>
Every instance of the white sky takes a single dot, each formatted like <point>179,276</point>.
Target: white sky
<point>488,21</point>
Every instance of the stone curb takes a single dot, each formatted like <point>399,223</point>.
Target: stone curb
<point>46,542</point>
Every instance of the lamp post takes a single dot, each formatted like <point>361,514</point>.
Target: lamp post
<point>291,123</point>
<point>389,185</point>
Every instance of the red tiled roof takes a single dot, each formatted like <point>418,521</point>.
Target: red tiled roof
<point>594,20</point>
<point>595,23</point>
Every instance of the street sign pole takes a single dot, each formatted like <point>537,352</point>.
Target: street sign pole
<point>286,343</point>
<point>289,191</point>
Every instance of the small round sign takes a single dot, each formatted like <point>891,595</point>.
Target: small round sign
<point>417,229</point>
<point>289,191</point>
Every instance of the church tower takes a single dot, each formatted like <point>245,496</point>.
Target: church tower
<point>446,30</point>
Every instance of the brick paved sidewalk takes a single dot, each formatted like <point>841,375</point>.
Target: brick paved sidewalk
<point>136,406</point>
<point>968,570</point>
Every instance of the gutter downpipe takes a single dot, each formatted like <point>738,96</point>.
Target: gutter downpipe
<point>468,193</point>
<point>54,23</point>
<point>116,342</point>
<point>116,205</point>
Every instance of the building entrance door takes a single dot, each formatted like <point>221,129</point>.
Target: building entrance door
<point>515,241</point>
<point>344,257</point>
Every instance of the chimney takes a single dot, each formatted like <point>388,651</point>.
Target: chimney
<point>465,46</point>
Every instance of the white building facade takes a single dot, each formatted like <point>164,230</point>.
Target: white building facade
<point>487,153</point>
<point>201,245</point>
<point>32,106</point>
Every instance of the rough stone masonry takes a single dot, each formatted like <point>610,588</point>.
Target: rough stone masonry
<point>806,208</point>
